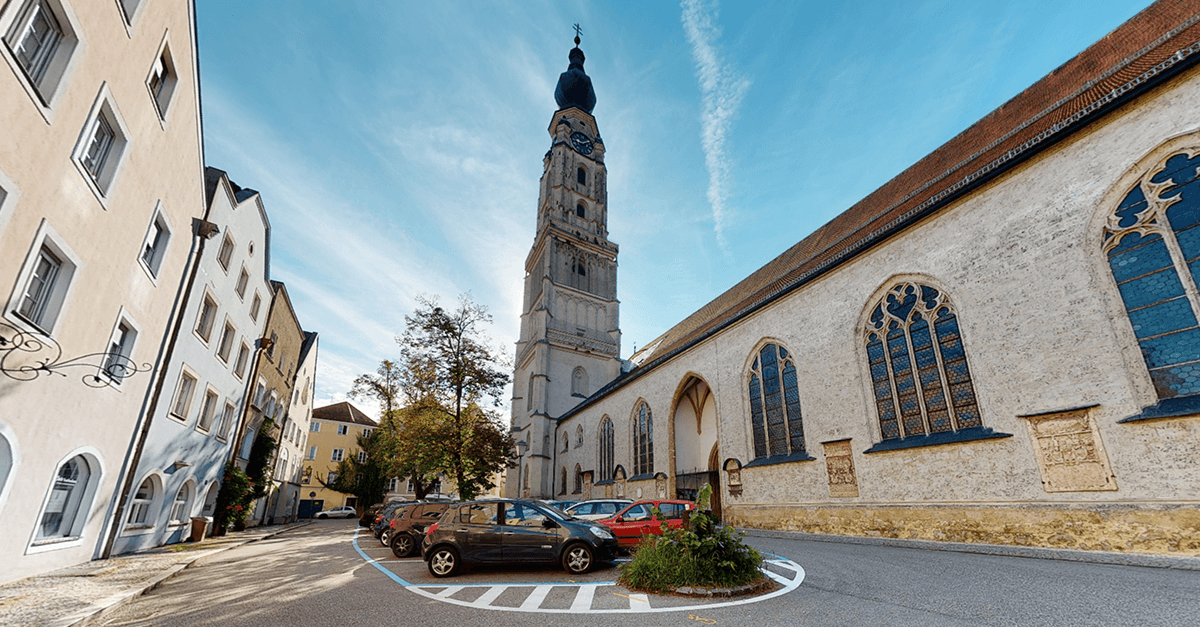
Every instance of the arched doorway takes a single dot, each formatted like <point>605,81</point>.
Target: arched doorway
<point>694,430</point>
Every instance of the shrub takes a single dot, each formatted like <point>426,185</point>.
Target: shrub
<point>700,554</point>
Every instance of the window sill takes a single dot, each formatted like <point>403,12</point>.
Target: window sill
<point>954,437</point>
<point>646,476</point>
<point>54,544</point>
<point>137,530</point>
<point>781,459</point>
<point>1169,408</point>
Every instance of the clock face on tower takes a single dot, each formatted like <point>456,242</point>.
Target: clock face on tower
<point>581,142</point>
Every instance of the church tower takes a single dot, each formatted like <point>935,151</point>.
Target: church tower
<point>570,337</point>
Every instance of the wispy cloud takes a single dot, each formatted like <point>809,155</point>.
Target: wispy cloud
<point>722,90</point>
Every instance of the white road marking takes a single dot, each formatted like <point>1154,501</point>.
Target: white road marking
<point>638,601</point>
<point>489,596</point>
<point>447,592</point>
<point>536,597</point>
<point>583,598</point>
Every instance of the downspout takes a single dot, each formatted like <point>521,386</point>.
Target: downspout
<point>202,230</point>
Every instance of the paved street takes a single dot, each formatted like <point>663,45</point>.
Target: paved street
<point>316,576</point>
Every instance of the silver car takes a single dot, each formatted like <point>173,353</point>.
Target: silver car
<point>596,509</point>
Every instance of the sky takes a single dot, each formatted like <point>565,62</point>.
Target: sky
<point>398,145</point>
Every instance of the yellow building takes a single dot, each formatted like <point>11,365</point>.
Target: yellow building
<point>332,436</point>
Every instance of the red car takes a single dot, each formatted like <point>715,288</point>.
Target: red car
<point>635,521</point>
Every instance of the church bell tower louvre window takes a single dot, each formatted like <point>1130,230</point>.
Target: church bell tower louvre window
<point>1152,242</point>
<point>919,373</point>
<point>775,417</point>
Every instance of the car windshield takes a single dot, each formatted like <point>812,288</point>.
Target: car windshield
<point>553,511</point>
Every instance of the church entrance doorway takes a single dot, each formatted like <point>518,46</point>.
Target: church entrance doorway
<point>694,435</point>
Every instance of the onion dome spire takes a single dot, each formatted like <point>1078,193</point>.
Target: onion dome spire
<point>574,87</point>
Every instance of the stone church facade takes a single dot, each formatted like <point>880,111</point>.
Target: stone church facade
<point>999,345</point>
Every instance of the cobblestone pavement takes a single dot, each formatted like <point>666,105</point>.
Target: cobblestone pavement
<point>79,594</point>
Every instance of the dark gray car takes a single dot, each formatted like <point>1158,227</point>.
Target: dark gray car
<point>514,531</point>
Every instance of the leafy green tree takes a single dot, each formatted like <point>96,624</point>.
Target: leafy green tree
<point>367,480</point>
<point>454,382</point>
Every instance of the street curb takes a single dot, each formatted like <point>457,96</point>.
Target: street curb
<point>1069,555</point>
<point>107,607</point>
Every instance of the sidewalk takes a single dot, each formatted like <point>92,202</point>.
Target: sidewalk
<point>79,594</point>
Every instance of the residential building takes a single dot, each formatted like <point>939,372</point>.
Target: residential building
<point>200,393</point>
<point>999,345</point>
<point>293,436</point>
<point>332,437</point>
<point>101,184</point>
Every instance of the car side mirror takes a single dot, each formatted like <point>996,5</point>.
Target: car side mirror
<point>549,524</point>
<point>618,519</point>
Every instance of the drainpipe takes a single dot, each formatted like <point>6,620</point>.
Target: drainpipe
<point>202,231</point>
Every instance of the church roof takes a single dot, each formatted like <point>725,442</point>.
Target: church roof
<point>343,412</point>
<point>1145,51</point>
<point>574,87</point>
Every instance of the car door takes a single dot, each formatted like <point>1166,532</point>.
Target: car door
<point>673,514</point>
<point>479,533</point>
<point>530,535</point>
<point>630,525</point>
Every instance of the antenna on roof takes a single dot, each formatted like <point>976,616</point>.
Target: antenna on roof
<point>578,32</point>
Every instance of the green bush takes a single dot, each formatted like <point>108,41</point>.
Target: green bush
<point>699,555</point>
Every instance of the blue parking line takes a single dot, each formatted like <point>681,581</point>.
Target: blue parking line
<point>518,584</point>
<point>375,563</point>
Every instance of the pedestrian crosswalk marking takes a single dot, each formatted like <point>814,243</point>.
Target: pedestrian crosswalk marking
<point>491,595</point>
<point>583,598</point>
<point>447,592</point>
<point>536,597</point>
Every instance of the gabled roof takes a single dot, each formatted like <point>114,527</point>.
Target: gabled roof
<point>343,412</point>
<point>1144,52</point>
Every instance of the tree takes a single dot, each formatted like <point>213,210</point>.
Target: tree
<point>368,479</point>
<point>454,382</point>
<point>382,387</point>
<point>391,449</point>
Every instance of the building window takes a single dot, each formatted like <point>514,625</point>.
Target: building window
<point>643,440</point>
<point>209,411</point>
<point>102,145</point>
<point>143,502</point>
<point>529,393</point>
<point>563,481</point>
<point>579,382</point>
<point>307,477</point>
<point>362,457</point>
<point>367,432</point>
<point>61,514</point>
<point>919,370</point>
<point>312,452</point>
<point>314,426</point>
<point>155,246</point>
<point>41,301</point>
<point>338,455</point>
<point>331,477</point>
<point>255,305</point>
<point>242,282</point>
<point>581,176</point>
<point>227,420</point>
<point>271,346</point>
<point>607,444</point>
<point>578,436</point>
<point>566,439</point>
<point>226,253</point>
<point>393,484</point>
<point>207,317</point>
<point>343,430</point>
<point>162,81</point>
<point>118,363</point>
<point>239,368</point>
<point>180,507</point>
<point>581,210</point>
<point>578,480</point>
<point>129,9</point>
<point>1153,252</point>
<point>775,404</point>
<point>226,345</point>
<point>41,38</point>
<point>183,396</point>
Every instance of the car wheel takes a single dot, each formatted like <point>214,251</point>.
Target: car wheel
<point>385,538</point>
<point>322,516</point>
<point>443,562</point>
<point>403,545</point>
<point>578,558</point>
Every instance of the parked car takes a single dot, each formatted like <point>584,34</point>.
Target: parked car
<point>597,509</point>
<point>368,517</point>
<point>382,524</point>
<point>344,511</point>
<point>513,531</point>
<point>562,504</point>
<point>636,521</point>
<point>407,527</point>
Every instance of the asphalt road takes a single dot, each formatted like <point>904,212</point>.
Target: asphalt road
<point>315,576</point>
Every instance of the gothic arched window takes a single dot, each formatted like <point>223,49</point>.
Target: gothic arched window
<point>529,393</point>
<point>563,482</point>
<point>918,368</point>
<point>566,442</point>
<point>581,175</point>
<point>1153,248</point>
<point>578,480</point>
<point>579,382</point>
<point>643,440</point>
<point>578,436</point>
<point>581,210</point>
<point>775,404</point>
<point>606,449</point>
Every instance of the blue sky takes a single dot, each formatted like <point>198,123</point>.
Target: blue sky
<point>398,145</point>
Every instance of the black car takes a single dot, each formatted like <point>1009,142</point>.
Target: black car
<point>384,516</point>
<point>368,517</point>
<point>514,531</point>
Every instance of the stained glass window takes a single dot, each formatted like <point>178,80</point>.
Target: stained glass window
<point>918,368</point>
<point>1153,248</point>
<point>643,441</point>
<point>775,404</point>
<point>606,449</point>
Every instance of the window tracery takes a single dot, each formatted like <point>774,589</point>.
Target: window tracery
<point>775,416</point>
<point>1153,247</point>
<point>643,440</point>
<point>919,371</point>
<point>607,446</point>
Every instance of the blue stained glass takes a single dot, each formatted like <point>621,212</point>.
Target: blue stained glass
<point>877,316</point>
<point>783,353</point>
<point>1174,381</point>
<point>1174,348</point>
<point>1151,289</point>
<point>773,402</point>
<point>756,417</point>
<point>956,371</point>
<point>1133,240</point>
<point>1162,318</point>
<point>899,307</point>
<point>1140,261</point>
<point>939,421</point>
<point>1186,212</point>
<point>879,371</point>
<point>929,296</point>
<point>962,394</point>
<point>968,417</point>
<point>883,389</point>
<point>1180,170</point>
<point>1189,243</point>
<point>887,423</point>
<point>1133,204</point>
<point>791,395</point>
